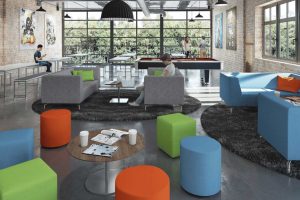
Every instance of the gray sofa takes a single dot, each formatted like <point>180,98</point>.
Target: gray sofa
<point>163,90</point>
<point>63,88</point>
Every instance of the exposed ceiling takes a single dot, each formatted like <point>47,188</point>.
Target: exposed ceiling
<point>152,4</point>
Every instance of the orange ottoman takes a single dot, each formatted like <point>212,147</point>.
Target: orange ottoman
<point>142,182</point>
<point>55,128</point>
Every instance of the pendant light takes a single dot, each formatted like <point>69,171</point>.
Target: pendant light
<point>67,16</point>
<point>41,9</point>
<point>221,3</point>
<point>117,10</point>
<point>191,20</point>
<point>199,15</point>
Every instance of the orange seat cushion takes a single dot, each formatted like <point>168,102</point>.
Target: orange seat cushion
<point>289,84</point>
<point>55,128</point>
<point>142,182</point>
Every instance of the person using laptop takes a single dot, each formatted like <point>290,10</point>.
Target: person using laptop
<point>38,58</point>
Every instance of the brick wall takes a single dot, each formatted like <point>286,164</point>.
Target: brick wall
<point>11,22</point>
<point>253,40</point>
<point>233,59</point>
<point>1,31</point>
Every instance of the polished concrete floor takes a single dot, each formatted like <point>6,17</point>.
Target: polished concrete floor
<point>241,179</point>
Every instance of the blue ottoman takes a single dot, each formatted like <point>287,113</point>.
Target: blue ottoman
<point>200,165</point>
<point>16,146</point>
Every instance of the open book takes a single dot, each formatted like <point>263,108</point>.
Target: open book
<point>109,137</point>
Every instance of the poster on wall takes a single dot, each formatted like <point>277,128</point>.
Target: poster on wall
<point>28,24</point>
<point>231,29</point>
<point>219,31</point>
<point>50,36</point>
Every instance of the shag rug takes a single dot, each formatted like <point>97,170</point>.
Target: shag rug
<point>237,132</point>
<point>97,107</point>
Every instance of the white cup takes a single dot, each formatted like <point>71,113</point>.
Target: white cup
<point>132,136</point>
<point>277,93</point>
<point>84,138</point>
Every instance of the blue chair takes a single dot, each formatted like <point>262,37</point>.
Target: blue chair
<point>16,146</point>
<point>242,89</point>
<point>200,165</point>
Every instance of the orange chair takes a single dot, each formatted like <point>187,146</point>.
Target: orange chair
<point>55,128</point>
<point>142,182</point>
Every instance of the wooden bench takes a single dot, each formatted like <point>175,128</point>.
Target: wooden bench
<point>24,80</point>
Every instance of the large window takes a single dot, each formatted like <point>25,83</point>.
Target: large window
<point>280,30</point>
<point>84,33</point>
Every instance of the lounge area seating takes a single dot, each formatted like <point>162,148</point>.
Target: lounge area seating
<point>163,90</point>
<point>242,89</point>
<point>278,123</point>
<point>64,88</point>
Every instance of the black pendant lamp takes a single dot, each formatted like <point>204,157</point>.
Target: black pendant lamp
<point>67,16</point>
<point>41,9</point>
<point>117,10</point>
<point>199,15</point>
<point>191,20</point>
<point>221,3</point>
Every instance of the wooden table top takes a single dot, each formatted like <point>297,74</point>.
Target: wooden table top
<point>125,149</point>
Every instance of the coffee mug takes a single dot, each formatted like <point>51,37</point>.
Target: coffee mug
<point>84,138</point>
<point>132,136</point>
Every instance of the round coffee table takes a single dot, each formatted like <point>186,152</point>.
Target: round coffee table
<point>103,181</point>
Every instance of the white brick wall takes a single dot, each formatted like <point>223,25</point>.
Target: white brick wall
<point>11,50</point>
<point>1,31</point>
<point>233,59</point>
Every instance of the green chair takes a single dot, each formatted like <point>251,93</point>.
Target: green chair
<point>171,129</point>
<point>31,180</point>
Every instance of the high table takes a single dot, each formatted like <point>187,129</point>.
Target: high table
<point>102,182</point>
<point>57,60</point>
<point>7,68</point>
<point>81,55</point>
<point>117,59</point>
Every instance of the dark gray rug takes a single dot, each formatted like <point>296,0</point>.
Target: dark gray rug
<point>98,108</point>
<point>237,132</point>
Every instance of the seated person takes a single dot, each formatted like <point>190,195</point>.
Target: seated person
<point>38,58</point>
<point>169,70</point>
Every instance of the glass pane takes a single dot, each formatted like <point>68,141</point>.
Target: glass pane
<point>75,24</point>
<point>148,33</point>
<point>148,24</point>
<point>273,13</point>
<point>283,40</point>
<point>291,40</point>
<point>199,24</point>
<point>76,45</point>
<point>174,33</point>
<point>273,40</point>
<point>283,10</point>
<point>123,45</point>
<point>199,33</point>
<point>205,14</point>
<point>75,33</point>
<point>175,15</point>
<point>94,15</point>
<point>124,32</point>
<point>99,24</point>
<point>292,9</point>
<point>267,40</point>
<point>77,15</point>
<point>124,24</point>
<point>267,14</point>
<point>174,24</point>
<point>99,32</point>
<point>141,16</point>
<point>172,42</point>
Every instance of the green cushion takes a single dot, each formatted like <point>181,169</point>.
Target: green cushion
<point>171,129</point>
<point>76,72</point>
<point>87,75</point>
<point>31,180</point>
<point>158,72</point>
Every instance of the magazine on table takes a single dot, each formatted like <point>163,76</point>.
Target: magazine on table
<point>101,150</point>
<point>109,137</point>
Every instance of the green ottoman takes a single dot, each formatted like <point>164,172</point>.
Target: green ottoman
<point>31,180</point>
<point>171,129</point>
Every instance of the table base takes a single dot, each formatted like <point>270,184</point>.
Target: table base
<point>119,100</point>
<point>102,182</point>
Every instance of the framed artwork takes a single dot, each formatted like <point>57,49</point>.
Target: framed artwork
<point>28,24</point>
<point>50,33</point>
<point>219,31</point>
<point>231,29</point>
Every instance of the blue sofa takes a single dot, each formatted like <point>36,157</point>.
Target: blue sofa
<point>242,89</point>
<point>278,123</point>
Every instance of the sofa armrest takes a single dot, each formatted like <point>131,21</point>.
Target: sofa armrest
<point>164,90</point>
<point>61,89</point>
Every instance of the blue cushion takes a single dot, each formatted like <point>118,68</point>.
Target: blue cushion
<point>16,146</point>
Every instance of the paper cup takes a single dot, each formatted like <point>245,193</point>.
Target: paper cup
<point>84,138</point>
<point>277,93</point>
<point>132,136</point>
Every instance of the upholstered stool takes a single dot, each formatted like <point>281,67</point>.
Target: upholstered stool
<point>200,165</point>
<point>31,180</point>
<point>55,128</point>
<point>16,146</point>
<point>171,129</point>
<point>142,182</point>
